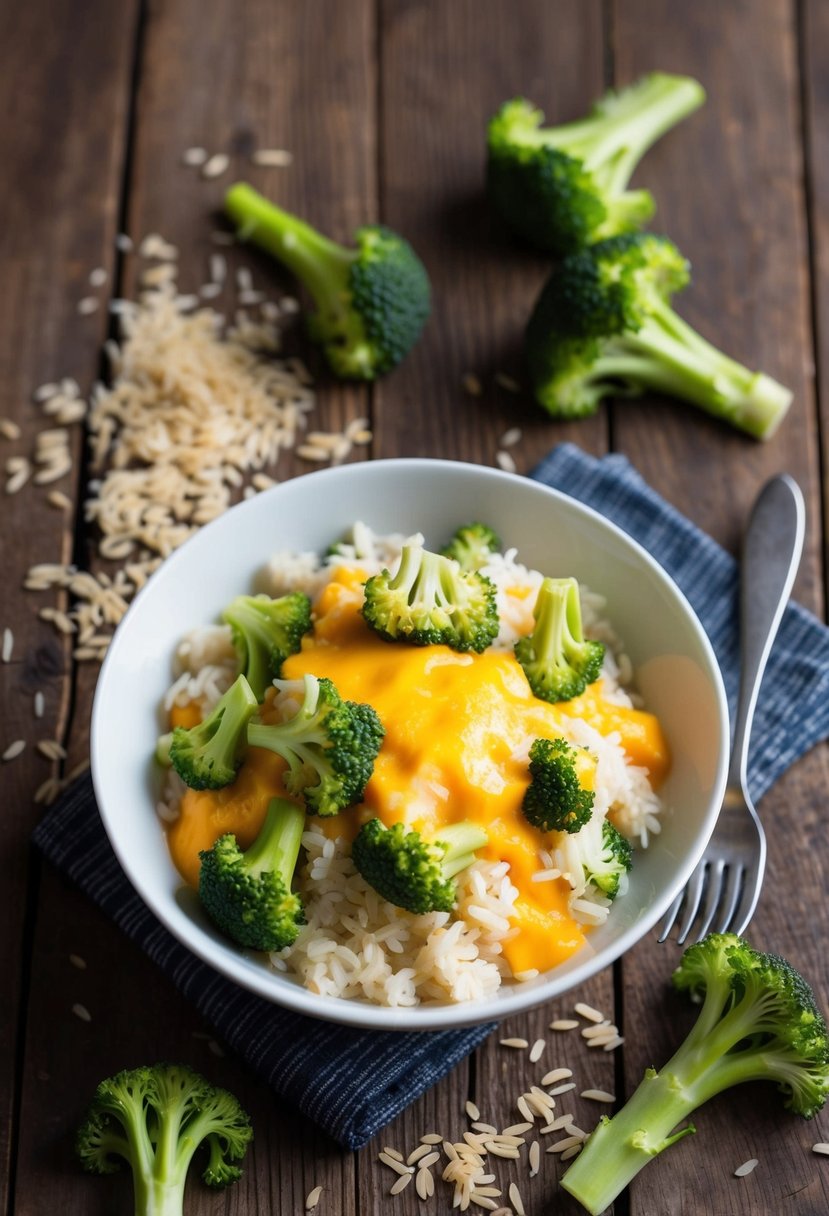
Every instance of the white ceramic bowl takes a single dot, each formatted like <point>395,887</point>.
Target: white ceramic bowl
<point>675,666</point>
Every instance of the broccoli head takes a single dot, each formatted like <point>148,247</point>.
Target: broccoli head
<point>248,894</point>
<point>555,800</point>
<point>265,632</point>
<point>329,746</point>
<point>605,869</point>
<point>472,546</point>
<point>411,872</point>
<point>564,187</point>
<point>372,300</point>
<point>758,1021</point>
<point>603,325</point>
<point>432,601</point>
<point>208,756</point>
<point>155,1118</point>
<point>557,660</point>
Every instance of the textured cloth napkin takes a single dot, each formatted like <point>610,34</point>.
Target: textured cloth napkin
<point>353,1082</point>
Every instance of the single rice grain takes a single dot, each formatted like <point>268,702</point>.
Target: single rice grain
<point>195,157</point>
<point>401,1184</point>
<point>556,1074</point>
<point>537,1050</point>
<point>821,1147</point>
<point>518,1043</point>
<point>39,704</point>
<point>563,1024</point>
<point>746,1168</point>
<point>13,750</point>
<point>516,1200</point>
<point>81,1011</point>
<point>472,1111</point>
<point>588,1012</point>
<point>8,645</point>
<point>598,1095</point>
<point>534,1158</point>
<point>77,961</point>
<point>272,158</point>
<point>313,1198</point>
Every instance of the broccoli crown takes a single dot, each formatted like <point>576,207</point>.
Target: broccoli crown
<point>606,869</point>
<point>557,660</point>
<point>265,632</point>
<point>432,601</point>
<point>472,546</point>
<point>603,325</point>
<point>372,300</point>
<point>248,894</point>
<point>555,800</point>
<point>413,873</point>
<point>329,746</point>
<point>155,1118</point>
<point>564,187</point>
<point>758,1021</point>
<point>207,756</point>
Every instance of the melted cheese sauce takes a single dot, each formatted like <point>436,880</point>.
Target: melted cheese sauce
<point>458,732</point>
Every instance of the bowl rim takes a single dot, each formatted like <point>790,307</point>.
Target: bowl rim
<point>232,963</point>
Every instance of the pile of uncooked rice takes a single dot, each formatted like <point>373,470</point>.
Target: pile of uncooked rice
<point>355,944</point>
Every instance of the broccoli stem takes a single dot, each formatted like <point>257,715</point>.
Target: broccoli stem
<point>612,141</point>
<point>322,265</point>
<point>461,840</point>
<point>277,846</point>
<point>668,355</point>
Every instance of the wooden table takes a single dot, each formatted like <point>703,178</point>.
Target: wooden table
<point>383,105</point>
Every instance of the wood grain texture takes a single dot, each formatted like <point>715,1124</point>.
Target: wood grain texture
<point>63,136</point>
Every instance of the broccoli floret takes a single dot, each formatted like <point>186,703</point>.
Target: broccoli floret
<point>472,546</point>
<point>758,1021</point>
<point>265,632</point>
<point>564,187</point>
<point>155,1118</point>
<point>413,873</point>
<point>557,660</point>
<point>431,600</point>
<point>248,894</point>
<point>603,325</point>
<point>555,800</point>
<point>605,869</point>
<point>372,301</point>
<point>329,745</point>
<point>208,756</point>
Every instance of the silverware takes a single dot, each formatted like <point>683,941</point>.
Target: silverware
<point>723,890</point>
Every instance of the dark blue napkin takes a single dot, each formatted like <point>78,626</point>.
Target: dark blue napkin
<point>353,1082</point>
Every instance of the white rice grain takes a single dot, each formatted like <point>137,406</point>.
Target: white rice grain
<point>81,1011</point>
<point>14,750</point>
<point>537,1050</point>
<point>272,158</point>
<point>746,1168</point>
<point>313,1198</point>
<point>588,1012</point>
<point>8,645</point>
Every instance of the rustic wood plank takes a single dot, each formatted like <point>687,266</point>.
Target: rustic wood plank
<point>729,188</point>
<point>247,99</point>
<point>63,130</point>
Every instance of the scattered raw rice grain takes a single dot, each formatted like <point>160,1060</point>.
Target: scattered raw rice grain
<point>8,645</point>
<point>313,1198</point>
<point>307,451</point>
<point>424,1154</point>
<point>507,382</point>
<point>482,1201</point>
<point>39,704</point>
<point>612,1044</point>
<point>505,461</point>
<point>472,1111</point>
<point>557,1124</point>
<point>288,304</point>
<point>535,1158</point>
<point>821,1147</point>
<point>77,961</point>
<point>59,500</point>
<point>573,1151</point>
<point>431,1138</point>
<point>123,243</point>
<point>561,1146</point>
<point>598,1095</point>
<point>519,1043</point>
<point>398,1166</point>
<point>424,1184</point>
<point>97,277</point>
<point>503,1150</point>
<point>401,1184</point>
<point>511,437</point>
<point>603,1031</point>
<point>53,472</point>
<point>394,1152</point>
<point>472,385</point>
<point>525,1110</point>
<point>13,750</point>
<point>587,1011</point>
<point>485,1127</point>
<point>88,305</point>
<point>746,1168</point>
<point>44,392</point>
<point>272,158</point>
<point>81,1011</point>
<point>516,1129</point>
<point>154,246</point>
<point>537,1050</point>
<point>556,1074</point>
<point>516,1200</point>
<point>9,429</point>
<point>18,477</point>
<point>562,1089</point>
<point>51,749</point>
<point>195,157</point>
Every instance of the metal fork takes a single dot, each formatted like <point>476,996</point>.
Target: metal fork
<point>723,890</point>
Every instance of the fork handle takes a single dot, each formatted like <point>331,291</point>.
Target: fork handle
<point>771,554</point>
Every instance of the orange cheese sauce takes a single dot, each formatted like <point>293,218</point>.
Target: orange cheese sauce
<point>458,731</point>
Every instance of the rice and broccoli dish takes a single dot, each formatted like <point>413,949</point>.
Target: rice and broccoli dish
<point>408,775</point>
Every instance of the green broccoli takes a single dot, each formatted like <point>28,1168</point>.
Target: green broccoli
<point>431,600</point>
<point>208,756</point>
<point>557,660</point>
<point>758,1021</point>
<point>411,872</point>
<point>329,745</point>
<point>564,187</point>
<point>604,868</point>
<point>155,1118</point>
<point>603,325</point>
<point>372,301</point>
<point>248,894</point>
<point>265,632</point>
<point>472,546</point>
<point>555,800</point>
